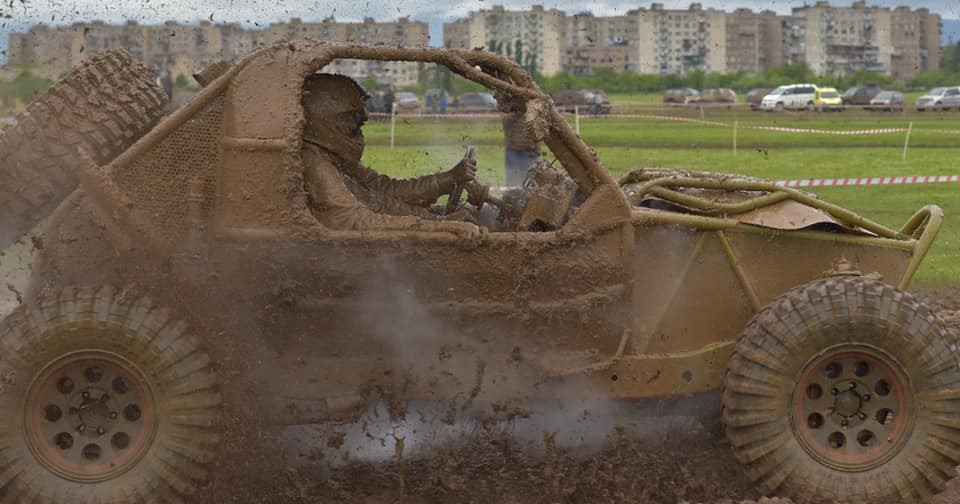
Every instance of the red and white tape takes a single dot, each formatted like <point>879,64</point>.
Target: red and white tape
<point>658,117</point>
<point>864,181</point>
<point>846,182</point>
<point>877,131</point>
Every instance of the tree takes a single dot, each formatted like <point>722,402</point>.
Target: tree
<point>181,83</point>
<point>25,86</point>
<point>369,84</point>
<point>951,59</point>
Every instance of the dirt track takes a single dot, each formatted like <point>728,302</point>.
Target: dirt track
<point>686,467</point>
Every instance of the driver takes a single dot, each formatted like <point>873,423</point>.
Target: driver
<point>346,195</point>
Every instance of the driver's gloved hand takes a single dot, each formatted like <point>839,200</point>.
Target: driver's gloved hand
<point>463,172</point>
<point>477,193</point>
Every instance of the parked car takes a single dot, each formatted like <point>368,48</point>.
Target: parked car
<point>755,96</point>
<point>585,99</point>
<point>681,95</point>
<point>890,101</point>
<point>794,96</point>
<point>406,102</point>
<point>716,96</point>
<point>827,99</point>
<point>941,98</point>
<point>476,102</point>
<point>861,95</point>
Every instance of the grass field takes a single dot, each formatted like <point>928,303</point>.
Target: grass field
<point>425,145</point>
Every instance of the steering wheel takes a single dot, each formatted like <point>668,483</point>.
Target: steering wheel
<point>453,199</point>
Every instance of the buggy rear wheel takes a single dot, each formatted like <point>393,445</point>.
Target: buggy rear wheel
<point>103,400</point>
<point>103,106</point>
<point>845,389</point>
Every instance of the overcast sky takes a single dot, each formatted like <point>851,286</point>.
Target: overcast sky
<point>19,14</point>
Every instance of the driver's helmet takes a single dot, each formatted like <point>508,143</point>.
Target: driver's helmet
<point>334,109</point>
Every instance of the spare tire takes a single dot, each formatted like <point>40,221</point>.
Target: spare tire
<point>103,106</point>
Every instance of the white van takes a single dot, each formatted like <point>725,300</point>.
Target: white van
<point>794,96</point>
<point>941,98</point>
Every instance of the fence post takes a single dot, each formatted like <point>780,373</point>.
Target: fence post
<point>576,118</point>
<point>906,142</point>
<point>736,125</point>
<point>702,117</point>
<point>393,123</point>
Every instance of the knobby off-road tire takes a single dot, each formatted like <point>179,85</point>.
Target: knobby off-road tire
<point>845,389</point>
<point>102,106</point>
<point>103,400</point>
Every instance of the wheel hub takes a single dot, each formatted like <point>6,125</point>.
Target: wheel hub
<point>847,403</point>
<point>852,407</point>
<point>90,416</point>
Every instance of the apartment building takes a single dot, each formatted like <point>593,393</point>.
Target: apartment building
<point>534,38</point>
<point>594,42</point>
<point>831,40</point>
<point>681,41</point>
<point>843,40</point>
<point>931,31</point>
<point>174,49</point>
<point>900,42</point>
<point>403,32</point>
<point>754,41</point>
<point>51,52</point>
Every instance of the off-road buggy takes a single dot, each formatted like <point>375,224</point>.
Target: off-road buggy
<point>185,301</point>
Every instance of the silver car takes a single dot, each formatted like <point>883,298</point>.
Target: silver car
<point>941,98</point>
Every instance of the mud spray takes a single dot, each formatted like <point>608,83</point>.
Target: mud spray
<point>481,446</point>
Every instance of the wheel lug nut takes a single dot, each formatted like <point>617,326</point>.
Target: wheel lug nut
<point>101,431</point>
<point>862,415</point>
<point>81,428</point>
<point>113,415</point>
<point>866,397</point>
<point>834,391</point>
<point>85,395</point>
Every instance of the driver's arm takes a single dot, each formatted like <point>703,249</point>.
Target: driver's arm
<point>337,208</point>
<point>418,191</point>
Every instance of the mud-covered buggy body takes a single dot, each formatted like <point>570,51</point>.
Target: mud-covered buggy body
<point>269,318</point>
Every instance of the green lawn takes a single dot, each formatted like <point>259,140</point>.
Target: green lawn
<point>423,146</point>
<point>625,132</point>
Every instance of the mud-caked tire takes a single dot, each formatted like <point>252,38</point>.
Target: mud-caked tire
<point>103,106</point>
<point>845,389</point>
<point>104,400</point>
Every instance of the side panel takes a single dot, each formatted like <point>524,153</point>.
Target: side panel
<point>412,317</point>
<point>697,289</point>
<point>687,295</point>
<point>775,262</point>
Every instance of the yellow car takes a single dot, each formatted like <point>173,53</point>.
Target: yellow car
<point>826,99</point>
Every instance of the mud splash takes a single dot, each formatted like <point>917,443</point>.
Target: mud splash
<point>586,452</point>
